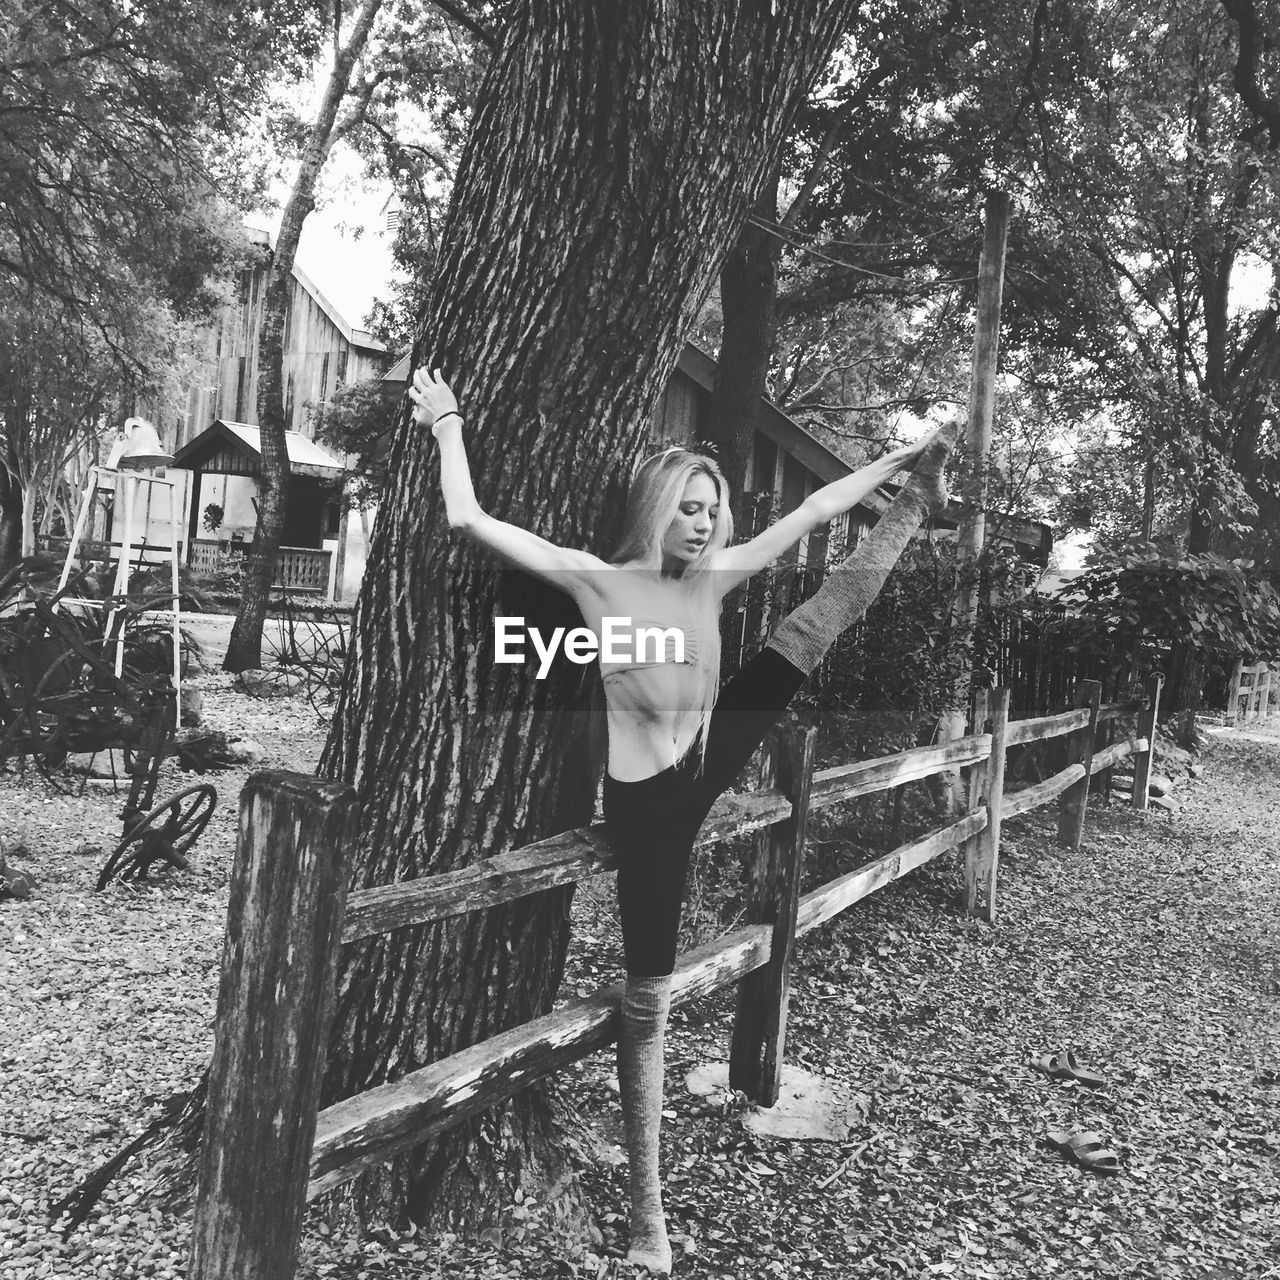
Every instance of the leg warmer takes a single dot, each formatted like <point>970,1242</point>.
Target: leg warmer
<point>645,1006</point>
<point>805,635</point>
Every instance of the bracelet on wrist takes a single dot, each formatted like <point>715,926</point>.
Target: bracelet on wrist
<point>451,413</point>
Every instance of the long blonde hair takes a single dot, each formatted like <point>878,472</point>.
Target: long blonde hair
<point>657,488</point>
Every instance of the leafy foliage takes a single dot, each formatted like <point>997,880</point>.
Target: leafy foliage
<point>888,681</point>
<point>117,220</point>
<point>357,420</point>
<point>1136,598</point>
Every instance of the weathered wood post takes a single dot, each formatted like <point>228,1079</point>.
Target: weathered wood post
<point>986,787</point>
<point>1146,729</point>
<point>1075,799</point>
<point>275,1003</point>
<point>1264,704</point>
<point>1233,694</point>
<point>1105,737</point>
<point>1260,694</point>
<point>773,893</point>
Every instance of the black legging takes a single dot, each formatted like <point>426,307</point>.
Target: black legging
<point>653,823</point>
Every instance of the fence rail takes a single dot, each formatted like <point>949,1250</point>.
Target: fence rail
<point>287,919</point>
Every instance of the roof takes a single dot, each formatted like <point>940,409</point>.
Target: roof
<point>795,439</point>
<point>357,337</point>
<point>223,445</point>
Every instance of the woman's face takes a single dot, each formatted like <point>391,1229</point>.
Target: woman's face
<point>689,532</point>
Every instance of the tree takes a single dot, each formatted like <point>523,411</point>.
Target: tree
<point>615,151</point>
<point>1150,201</point>
<point>59,380</point>
<point>851,128</point>
<point>113,224</point>
<point>389,56</point>
<point>356,422</point>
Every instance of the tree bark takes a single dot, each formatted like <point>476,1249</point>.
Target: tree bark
<point>614,154</point>
<point>245,647</point>
<point>10,521</point>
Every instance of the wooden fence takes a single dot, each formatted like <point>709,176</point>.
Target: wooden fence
<point>1250,694</point>
<point>267,1150</point>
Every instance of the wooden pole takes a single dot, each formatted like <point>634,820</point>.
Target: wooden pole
<point>340,552</point>
<point>1146,729</point>
<point>982,852</point>
<point>275,1003</point>
<point>977,780</point>
<point>982,397</point>
<point>1080,744</point>
<point>773,894</point>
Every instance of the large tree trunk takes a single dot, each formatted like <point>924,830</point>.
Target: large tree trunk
<point>614,154</point>
<point>245,647</point>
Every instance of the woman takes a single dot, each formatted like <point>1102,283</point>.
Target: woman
<point>675,741</point>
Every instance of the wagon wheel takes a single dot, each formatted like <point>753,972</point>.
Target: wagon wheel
<point>166,833</point>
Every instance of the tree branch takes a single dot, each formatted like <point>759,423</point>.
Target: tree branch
<point>472,24</point>
<point>1248,72</point>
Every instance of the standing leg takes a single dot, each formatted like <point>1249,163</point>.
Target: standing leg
<point>653,840</point>
<point>645,1007</point>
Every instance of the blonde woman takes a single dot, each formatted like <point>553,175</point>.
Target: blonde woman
<point>675,739</point>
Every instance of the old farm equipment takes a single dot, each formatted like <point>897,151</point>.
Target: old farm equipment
<point>61,697</point>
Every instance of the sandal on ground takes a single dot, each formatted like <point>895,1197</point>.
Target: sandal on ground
<point>1085,1148</point>
<point>1063,1066</point>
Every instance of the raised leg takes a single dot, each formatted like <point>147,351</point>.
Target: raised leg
<point>645,1007</point>
<point>804,636</point>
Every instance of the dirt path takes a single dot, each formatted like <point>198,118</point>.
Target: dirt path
<point>1153,951</point>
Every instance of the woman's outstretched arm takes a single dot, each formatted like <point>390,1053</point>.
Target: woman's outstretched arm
<point>736,564</point>
<point>436,406</point>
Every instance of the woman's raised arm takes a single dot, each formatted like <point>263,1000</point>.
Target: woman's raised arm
<point>436,406</point>
<point>736,564</point>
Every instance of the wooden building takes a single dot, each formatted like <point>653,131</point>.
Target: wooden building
<point>224,462</point>
<point>216,446</point>
<point>322,352</point>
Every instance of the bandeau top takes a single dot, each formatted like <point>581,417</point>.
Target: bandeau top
<point>648,643</point>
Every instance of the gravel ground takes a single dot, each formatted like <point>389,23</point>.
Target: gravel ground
<point>1152,950</point>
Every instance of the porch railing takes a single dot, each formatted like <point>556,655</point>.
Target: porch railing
<point>297,568</point>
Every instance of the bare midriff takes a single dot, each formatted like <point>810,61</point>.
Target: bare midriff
<point>650,721</point>
<point>652,707</point>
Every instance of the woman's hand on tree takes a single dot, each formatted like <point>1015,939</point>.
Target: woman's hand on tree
<point>432,398</point>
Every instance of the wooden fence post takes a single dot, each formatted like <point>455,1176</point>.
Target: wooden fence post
<point>1075,799</point>
<point>1146,729</point>
<point>275,1003</point>
<point>773,893</point>
<point>986,787</point>
<point>1233,694</point>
